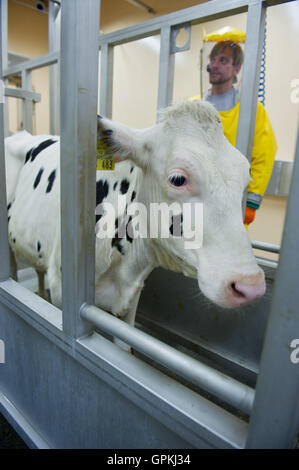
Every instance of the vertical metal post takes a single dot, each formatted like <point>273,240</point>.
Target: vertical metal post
<point>54,45</point>
<point>106,93</point>
<point>27,104</point>
<point>4,52</point>
<point>255,30</point>
<point>166,68</point>
<point>78,122</point>
<point>275,416</point>
<point>249,92</point>
<point>4,250</point>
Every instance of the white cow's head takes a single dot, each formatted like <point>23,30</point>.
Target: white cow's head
<point>186,159</point>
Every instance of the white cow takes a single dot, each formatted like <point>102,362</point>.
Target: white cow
<point>184,159</point>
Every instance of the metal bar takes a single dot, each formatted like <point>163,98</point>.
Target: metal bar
<point>54,45</point>
<point>266,262</point>
<point>166,69</point>
<point>203,12</point>
<point>249,93</point>
<point>4,250</point>
<point>32,64</point>
<point>4,52</point>
<point>220,385</point>
<point>275,416</point>
<point>22,94</point>
<point>106,92</point>
<point>248,99</point>
<point>196,14</point>
<point>279,184</point>
<point>78,108</point>
<point>265,246</point>
<point>27,104</point>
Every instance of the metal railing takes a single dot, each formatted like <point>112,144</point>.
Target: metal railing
<point>220,385</point>
<point>270,247</point>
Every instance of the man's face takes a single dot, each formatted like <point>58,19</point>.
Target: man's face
<point>221,67</point>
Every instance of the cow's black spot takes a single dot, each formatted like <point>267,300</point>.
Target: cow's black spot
<point>133,196</point>
<point>27,156</point>
<point>171,227</point>
<point>114,186</point>
<point>108,132</point>
<point>124,186</point>
<point>129,238</point>
<point>42,146</point>
<point>116,242</point>
<point>102,190</point>
<point>98,217</point>
<point>51,180</point>
<point>38,177</point>
<point>120,228</point>
<point>14,240</point>
<point>8,207</point>
<point>132,168</point>
<point>120,231</point>
<point>38,246</point>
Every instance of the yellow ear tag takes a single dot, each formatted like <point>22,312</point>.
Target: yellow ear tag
<point>104,158</point>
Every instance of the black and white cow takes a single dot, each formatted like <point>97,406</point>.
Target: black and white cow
<point>184,159</point>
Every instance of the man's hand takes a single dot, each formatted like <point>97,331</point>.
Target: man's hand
<point>249,215</point>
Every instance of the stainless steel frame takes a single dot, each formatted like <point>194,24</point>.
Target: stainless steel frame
<point>54,24</point>
<point>275,415</point>
<point>93,389</point>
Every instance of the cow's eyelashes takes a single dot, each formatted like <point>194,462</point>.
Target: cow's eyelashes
<point>177,180</point>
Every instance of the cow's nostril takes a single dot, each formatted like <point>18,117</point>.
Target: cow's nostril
<point>246,292</point>
<point>236,291</point>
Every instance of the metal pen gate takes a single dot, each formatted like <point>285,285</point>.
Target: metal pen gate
<point>63,384</point>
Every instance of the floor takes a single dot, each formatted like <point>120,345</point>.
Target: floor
<point>9,439</point>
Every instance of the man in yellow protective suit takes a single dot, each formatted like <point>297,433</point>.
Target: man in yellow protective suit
<point>226,59</point>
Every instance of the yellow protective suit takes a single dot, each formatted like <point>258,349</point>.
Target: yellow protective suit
<point>263,150</point>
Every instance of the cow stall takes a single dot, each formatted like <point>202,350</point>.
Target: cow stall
<point>197,379</point>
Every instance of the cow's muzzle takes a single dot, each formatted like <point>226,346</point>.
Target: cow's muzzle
<point>245,289</point>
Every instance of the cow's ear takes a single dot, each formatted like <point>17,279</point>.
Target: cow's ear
<point>117,139</point>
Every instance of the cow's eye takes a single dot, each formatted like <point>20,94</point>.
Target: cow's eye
<point>177,180</point>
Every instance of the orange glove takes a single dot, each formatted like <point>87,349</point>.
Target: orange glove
<point>249,215</point>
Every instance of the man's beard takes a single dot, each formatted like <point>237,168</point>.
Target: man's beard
<point>218,81</point>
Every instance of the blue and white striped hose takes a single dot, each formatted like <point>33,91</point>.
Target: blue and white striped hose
<point>261,86</point>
